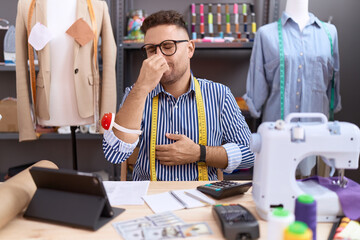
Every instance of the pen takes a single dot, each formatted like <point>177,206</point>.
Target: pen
<point>202,27</point>
<point>219,20</point>
<point>177,198</point>
<point>199,198</point>
<point>210,21</point>
<point>193,22</point>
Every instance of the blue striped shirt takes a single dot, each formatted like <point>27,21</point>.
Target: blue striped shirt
<point>224,122</point>
<point>309,67</point>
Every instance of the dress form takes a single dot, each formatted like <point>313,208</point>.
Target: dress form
<point>62,104</point>
<point>298,10</point>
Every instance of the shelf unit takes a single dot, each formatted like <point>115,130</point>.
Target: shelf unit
<point>200,45</point>
<point>6,68</point>
<point>56,136</point>
<point>129,53</point>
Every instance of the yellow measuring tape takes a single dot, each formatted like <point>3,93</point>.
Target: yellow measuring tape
<point>31,58</point>
<point>153,137</point>
<point>202,168</point>
<point>31,50</point>
<point>93,23</point>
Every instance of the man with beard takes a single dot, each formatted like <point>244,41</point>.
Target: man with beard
<point>189,126</point>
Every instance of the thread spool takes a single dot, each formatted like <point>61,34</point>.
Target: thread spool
<point>279,219</point>
<point>305,211</point>
<point>298,231</point>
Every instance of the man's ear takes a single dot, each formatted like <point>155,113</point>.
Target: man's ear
<point>191,48</point>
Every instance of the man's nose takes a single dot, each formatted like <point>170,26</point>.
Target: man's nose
<point>158,51</point>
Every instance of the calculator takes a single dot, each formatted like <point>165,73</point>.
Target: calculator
<point>236,222</point>
<point>225,188</point>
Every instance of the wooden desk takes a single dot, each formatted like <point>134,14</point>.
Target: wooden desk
<point>21,228</point>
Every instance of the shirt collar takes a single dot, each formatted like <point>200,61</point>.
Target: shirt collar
<point>159,88</point>
<point>313,19</point>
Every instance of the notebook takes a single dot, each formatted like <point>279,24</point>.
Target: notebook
<point>176,200</point>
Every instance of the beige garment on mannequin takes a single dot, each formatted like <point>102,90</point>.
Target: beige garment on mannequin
<point>85,75</point>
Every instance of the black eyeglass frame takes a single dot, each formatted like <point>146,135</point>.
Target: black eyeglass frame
<point>159,45</point>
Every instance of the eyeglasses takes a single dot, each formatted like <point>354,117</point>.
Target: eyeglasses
<point>167,47</point>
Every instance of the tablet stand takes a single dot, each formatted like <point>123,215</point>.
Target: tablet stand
<point>69,208</point>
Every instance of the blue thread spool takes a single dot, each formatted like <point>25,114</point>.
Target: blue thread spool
<point>305,211</point>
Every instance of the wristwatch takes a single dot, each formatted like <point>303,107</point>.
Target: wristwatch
<point>202,153</point>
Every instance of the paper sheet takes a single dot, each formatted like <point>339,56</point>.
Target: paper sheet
<point>126,193</point>
<point>40,35</point>
<point>351,231</point>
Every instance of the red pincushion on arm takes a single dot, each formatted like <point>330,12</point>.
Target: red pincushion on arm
<point>106,121</point>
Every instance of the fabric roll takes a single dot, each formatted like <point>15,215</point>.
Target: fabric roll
<point>17,192</point>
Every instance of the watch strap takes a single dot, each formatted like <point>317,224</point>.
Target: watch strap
<point>202,153</point>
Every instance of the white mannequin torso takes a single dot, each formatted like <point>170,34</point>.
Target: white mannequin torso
<point>62,103</point>
<point>298,10</point>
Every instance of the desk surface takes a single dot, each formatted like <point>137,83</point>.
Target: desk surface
<point>21,228</point>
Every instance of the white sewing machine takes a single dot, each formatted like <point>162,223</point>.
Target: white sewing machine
<point>280,146</point>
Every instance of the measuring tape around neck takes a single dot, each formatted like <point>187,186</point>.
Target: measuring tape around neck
<point>331,110</point>
<point>31,50</point>
<point>202,168</point>
<point>282,71</point>
<point>31,59</point>
<point>94,28</point>
<point>282,68</point>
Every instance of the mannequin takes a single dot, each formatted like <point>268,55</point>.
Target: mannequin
<point>68,83</point>
<point>310,62</point>
<point>298,10</point>
<point>60,16</point>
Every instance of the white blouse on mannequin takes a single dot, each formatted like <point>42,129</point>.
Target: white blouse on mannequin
<point>298,10</point>
<point>63,107</point>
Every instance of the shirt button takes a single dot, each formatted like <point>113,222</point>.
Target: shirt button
<point>297,106</point>
<point>76,70</point>
<point>299,80</point>
<point>177,179</point>
<point>176,106</point>
<point>297,93</point>
<point>300,66</point>
<point>176,132</point>
<point>301,54</point>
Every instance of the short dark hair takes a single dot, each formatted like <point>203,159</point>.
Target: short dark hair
<point>169,17</point>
